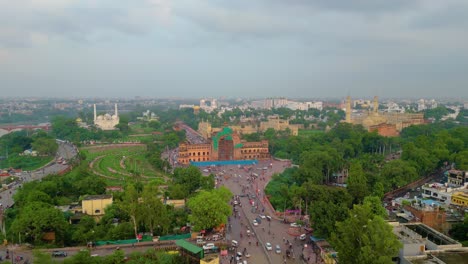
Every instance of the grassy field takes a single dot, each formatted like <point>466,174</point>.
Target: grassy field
<point>107,162</point>
<point>25,162</point>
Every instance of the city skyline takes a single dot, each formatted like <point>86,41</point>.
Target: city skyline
<point>194,49</point>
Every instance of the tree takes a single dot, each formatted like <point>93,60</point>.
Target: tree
<point>45,146</point>
<point>130,205</point>
<point>209,208</point>
<point>375,204</point>
<point>357,183</point>
<point>365,238</point>
<point>189,177</point>
<point>397,173</point>
<point>153,211</point>
<point>37,218</point>
<point>84,231</point>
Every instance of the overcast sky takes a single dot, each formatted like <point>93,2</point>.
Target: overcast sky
<point>198,48</point>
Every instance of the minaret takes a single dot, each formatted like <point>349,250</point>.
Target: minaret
<point>376,104</point>
<point>348,109</point>
<point>116,111</point>
<point>94,112</point>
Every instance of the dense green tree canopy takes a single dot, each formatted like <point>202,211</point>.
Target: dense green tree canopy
<point>365,238</point>
<point>209,209</point>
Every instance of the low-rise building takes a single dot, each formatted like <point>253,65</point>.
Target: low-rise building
<point>438,192</point>
<point>419,240</point>
<point>95,205</point>
<point>460,199</point>
<point>457,178</point>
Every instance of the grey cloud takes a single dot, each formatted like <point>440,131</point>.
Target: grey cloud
<point>359,6</point>
<point>73,22</point>
<point>452,16</point>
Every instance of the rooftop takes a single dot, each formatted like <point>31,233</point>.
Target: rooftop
<point>431,234</point>
<point>98,197</point>
<point>189,246</point>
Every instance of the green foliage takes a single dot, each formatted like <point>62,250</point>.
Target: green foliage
<point>397,173</point>
<point>12,146</point>
<point>209,208</point>
<point>437,113</point>
<point>365,238</point>
<point>42,257</point>
<point>357,183</point>
<point>45,146</point>
<point>84,231</point>
<point>37,218</point>
<point>189,178</point>
<point>460,231</point>
<point>154,213</point>
<point>328,205</point>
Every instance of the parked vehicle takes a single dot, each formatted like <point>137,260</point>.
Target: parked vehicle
<point>302,237</point>
<point>59,254</point>
<point>268,246</point>
<point>208,246</point>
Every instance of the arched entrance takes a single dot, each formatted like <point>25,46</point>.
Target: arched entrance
<point>225,149</point>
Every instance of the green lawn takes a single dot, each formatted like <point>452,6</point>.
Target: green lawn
<point>135,161</point>
<point>25,162</point>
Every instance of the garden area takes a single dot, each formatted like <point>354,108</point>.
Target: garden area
<point>116,164</point>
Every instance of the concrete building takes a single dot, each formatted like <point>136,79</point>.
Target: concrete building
<point>106,121</point>
<point>95,205</point>
<point>457,178</point>
<point>437,191</point>
<point>420,241</point>
<point>460,199</point>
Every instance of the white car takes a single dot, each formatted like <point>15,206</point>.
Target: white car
<point>262,216</point>
<point>268,246</point>
<point>278,249</point>
<point>255,223</point>
<point>302,237</point>
<point>208,246</point>
<point>295,225</point>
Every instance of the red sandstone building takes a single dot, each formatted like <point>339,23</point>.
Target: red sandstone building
<point>225,145</point>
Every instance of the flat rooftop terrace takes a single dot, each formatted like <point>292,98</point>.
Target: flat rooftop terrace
<point>445,257</point>
<point>432,235</point>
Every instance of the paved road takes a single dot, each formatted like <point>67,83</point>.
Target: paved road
<point>272,232</point>
<point>65,150</point>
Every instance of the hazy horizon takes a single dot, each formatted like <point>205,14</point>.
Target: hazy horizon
<point>223,48</point>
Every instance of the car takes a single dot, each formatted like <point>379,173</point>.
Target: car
<point>59,254</point>
<point>278,249</point>
<point>268,218</point>
<point>268,246</point>
<point>255,223</point>
<point>200,241</point>
<point>302,237</point>
<point>259,220</point>
<point>208,246</point>
<point>234,243</point>
<point>295,225</point>
<point>262,216</point>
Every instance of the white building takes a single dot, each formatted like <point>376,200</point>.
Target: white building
<point>106,121</point>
